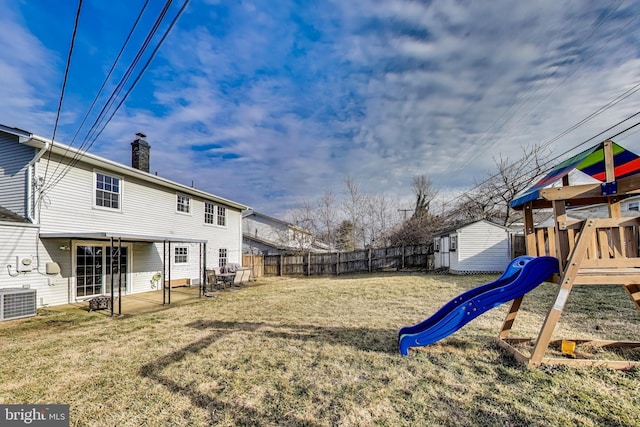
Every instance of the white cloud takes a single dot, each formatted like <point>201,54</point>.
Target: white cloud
<point>268,103</point>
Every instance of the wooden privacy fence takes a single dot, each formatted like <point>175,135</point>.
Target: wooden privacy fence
<point>255,263</point>
<point>365,260</point>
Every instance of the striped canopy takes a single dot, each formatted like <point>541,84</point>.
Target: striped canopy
<point>591,162</point>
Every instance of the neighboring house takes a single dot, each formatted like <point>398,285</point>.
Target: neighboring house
<point>61,239</point>
<point>628,207</point>
<point>477,247</point>
<point>266,235</point>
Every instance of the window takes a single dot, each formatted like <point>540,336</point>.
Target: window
<point>222,257</point>
<point>182,203</point>
<point>108,190</point>
<point>222,216</point>
<point>88,270</point>
<point>634,206</point>
<point>209,213</point>
<point>453,243</point>
<point>436,244</point>
<point>181,255</point>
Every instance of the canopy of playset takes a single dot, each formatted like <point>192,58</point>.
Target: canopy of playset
<point>592,163</point>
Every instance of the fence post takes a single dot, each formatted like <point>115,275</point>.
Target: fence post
<point>281,265</point>
<point>403,247</point>
<point>369,260</point>
<point>309,263</point>
<point>337,263</point>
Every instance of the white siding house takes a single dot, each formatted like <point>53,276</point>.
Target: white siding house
<point>71,209</point>
<point>266,235</point>
<point>478,247</point>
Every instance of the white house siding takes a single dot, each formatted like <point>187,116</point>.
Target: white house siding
<point>264,229</point>
<point>146,209</point>
<point>50,289</point>
<point>14,160</point>
<point>138,215</point>
<point>482,247</point>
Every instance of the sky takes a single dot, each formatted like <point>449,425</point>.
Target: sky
<point>273,103</point>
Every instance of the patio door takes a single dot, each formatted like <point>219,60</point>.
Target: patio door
<point>94,269</point>
<point>89,270</point>
<point>118,270</point>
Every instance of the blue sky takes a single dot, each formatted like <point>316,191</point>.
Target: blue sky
<point>270,103</point>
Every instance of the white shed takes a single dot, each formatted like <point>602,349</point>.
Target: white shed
<point>477,247</point>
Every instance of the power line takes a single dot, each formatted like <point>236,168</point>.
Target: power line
<point>104,83</point>
<point>111,99</point>
<point>530,95</point>
<point>64,81</point>
<point>543,171</point>
<point>96,133</point>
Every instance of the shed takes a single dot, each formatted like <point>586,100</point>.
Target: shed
<point>473,248</point>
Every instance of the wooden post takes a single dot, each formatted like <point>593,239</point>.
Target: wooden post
<point>281,265</point>
<point>337,263</point>
<point>309,263</point>
<point>561,234</point>
<point>529,230</point>
<point>567,279</point>
<point>369,260</point>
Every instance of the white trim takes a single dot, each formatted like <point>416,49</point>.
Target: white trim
<point>106,164</point>
<point>73,283</point>
<point>95,188</point>
<point>175,248</point>
<point>189,204</point>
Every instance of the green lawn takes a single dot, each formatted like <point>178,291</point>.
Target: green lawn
<point>318,352</point>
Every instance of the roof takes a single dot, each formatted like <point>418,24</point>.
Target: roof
<point>8,216</point>
<point>103,235</point>
<point>466,224</point>
<point>251,213</point>
<point>39,142</point>
<point>590,162</point>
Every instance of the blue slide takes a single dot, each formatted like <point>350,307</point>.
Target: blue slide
<point>522,275</point>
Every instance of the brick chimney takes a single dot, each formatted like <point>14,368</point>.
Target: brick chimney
<point>140,152</point>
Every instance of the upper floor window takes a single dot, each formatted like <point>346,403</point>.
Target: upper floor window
<point>183,203</point>
<point>634,206</point>
<point>181,255</point>
<point>453,243</point>
<point>222,216</point>
<point>209,213</point>
<point>108,191</point>
<point>436,244</point>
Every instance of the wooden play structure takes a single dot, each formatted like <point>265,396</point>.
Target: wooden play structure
<point>597,251</point>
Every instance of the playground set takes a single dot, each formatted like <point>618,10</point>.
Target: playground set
<point>593,251</point>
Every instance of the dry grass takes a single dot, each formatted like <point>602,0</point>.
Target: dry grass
<point>316,352</point>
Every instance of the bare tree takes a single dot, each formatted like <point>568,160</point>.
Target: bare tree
<point>327,218</point>
<point>381,216</point>
<point>490,199</point>
<point>423,223</point>
<point>425,192</point>
<point>353,207</point>
<point>302,234</point>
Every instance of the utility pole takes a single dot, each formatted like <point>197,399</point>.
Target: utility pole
<point>404,211</point>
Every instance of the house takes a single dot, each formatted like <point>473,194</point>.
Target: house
<point>262,234</point>
<point>72,223</point>
<point>476,247</point>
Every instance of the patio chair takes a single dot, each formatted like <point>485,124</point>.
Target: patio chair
<point>214,282</point>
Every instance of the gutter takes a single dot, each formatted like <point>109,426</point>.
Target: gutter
<point>30,173</point>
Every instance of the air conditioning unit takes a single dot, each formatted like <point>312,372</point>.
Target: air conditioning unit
<point>16,303</point>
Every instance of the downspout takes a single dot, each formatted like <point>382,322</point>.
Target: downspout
<point>31,166</point>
